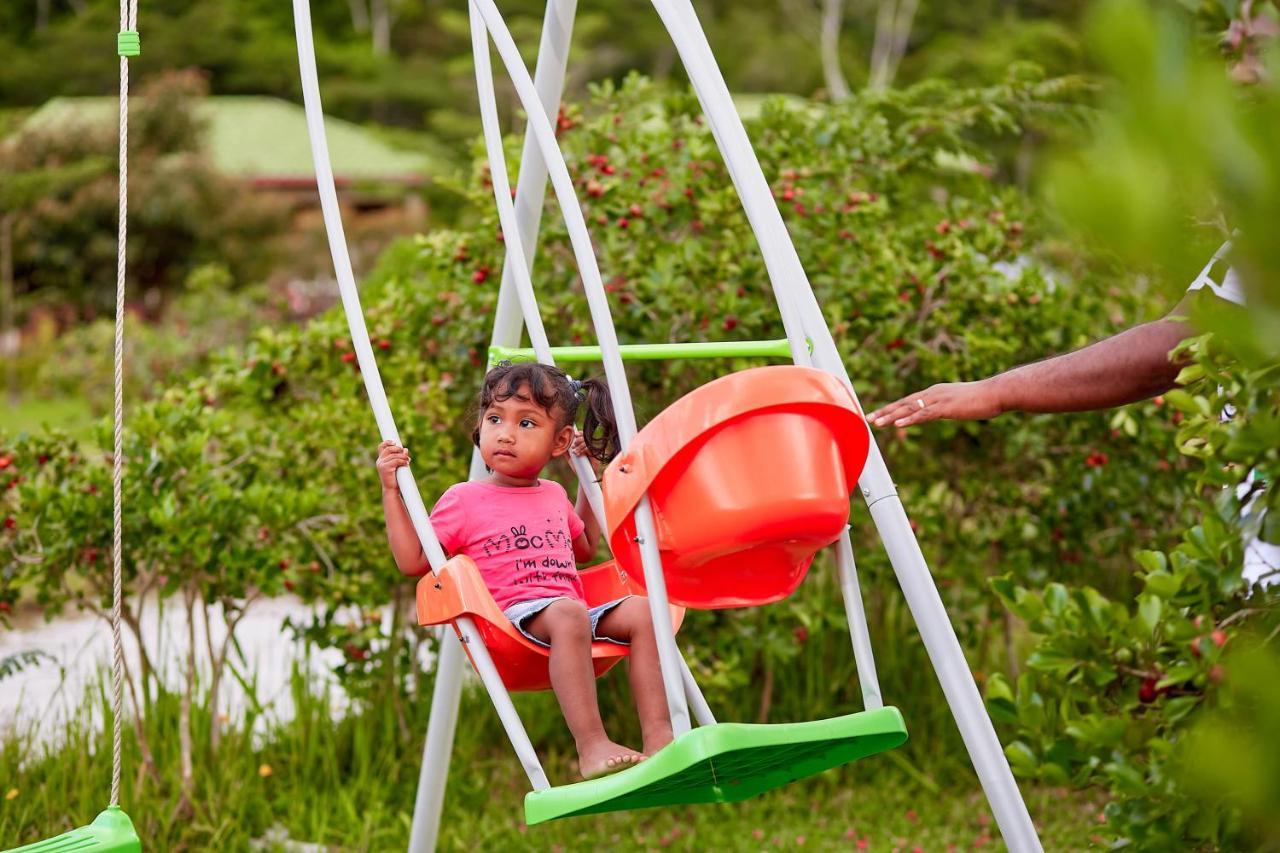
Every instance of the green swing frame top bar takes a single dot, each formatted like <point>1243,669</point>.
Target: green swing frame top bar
<point>652,352</point>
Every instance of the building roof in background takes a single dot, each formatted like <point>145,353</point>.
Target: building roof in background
<point>264,140</point>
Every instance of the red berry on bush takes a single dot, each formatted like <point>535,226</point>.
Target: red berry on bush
<point>481,275</point>
<point>1219,637</point>
<point>348,357</point>
<point>1195,647</point>
<point>636,211</point>
<point>1147,692</point>
<point>801,633</point>
<point>5,461</point>
<point>623,222</point>
<point>1217,673</point>
<point>788,194</point>
<point>10,522</point>
<point>595,189</point>
<point>730,323</point>
<point>290,585</point>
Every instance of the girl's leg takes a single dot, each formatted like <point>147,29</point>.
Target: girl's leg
<point>565,626</point>
<point>631,621</point>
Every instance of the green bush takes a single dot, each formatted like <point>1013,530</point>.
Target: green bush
<point>1156,696</point>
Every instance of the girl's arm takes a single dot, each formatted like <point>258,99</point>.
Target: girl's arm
<point>405,546</point>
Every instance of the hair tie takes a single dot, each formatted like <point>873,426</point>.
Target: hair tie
<point>576,387</point>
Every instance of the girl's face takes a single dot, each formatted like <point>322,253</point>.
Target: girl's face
<point>518,438</point>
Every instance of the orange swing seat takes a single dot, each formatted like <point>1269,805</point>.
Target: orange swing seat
<point>458,590</point>
<point>748,476</point>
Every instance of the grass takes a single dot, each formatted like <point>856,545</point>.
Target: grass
<point>350,785</point>
<point>34,414</point>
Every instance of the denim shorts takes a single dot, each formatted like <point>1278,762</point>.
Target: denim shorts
<point>522,611</point>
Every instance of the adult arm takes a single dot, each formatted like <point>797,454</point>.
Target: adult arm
<point>1132,365</point>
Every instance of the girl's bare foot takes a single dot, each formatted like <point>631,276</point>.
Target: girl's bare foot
<point>605,757</point>
<point>655,741</point>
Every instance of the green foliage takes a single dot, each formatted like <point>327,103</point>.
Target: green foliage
<point>1146,695</point>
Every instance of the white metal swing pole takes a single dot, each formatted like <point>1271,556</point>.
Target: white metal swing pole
<point>522,283</point>
<point>774,245</point>
<point>516,257</point>
<point>346,278</point>
<point>377,395</point>
<point>549,75</point>
<point>865,661</point>
<point>784,270</point>
<point>580,239</point>
<point>877,486</point>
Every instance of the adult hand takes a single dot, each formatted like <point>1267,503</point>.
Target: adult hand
<point>390,457</point>
<point>949,400</point>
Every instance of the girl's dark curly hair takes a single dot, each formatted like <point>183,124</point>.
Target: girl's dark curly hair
<point>551,388</point>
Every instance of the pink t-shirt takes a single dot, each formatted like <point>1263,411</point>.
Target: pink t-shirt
<point>521,537</point>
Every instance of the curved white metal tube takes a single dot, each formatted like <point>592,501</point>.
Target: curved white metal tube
<point>877,487</point>
<point>373,383</point>
<point>346,279</point>
<point>517,260</point>
<point>580,239</point>
<point>753,190</point>
<point>553,53</point>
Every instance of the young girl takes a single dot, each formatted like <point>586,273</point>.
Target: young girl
<point>525,536</point>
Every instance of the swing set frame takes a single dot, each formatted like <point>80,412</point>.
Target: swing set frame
<point>808,343</point>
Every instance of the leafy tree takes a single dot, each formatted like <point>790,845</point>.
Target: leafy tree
<point>183,214</point>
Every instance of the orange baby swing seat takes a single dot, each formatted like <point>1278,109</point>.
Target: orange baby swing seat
<point>458,590</point>
<point>748,476</point>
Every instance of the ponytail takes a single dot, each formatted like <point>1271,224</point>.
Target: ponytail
<point>599,427</point>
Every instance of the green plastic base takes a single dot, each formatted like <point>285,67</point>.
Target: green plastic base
<point>725,763</point>
<point>110,832</point>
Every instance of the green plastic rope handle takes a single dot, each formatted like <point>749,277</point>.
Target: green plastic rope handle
<point>128,43</point>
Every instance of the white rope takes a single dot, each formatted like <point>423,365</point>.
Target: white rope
<point>128,21</point>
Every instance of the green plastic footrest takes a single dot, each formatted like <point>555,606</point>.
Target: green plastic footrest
<point>110,832</point>
<point>725,763</point>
